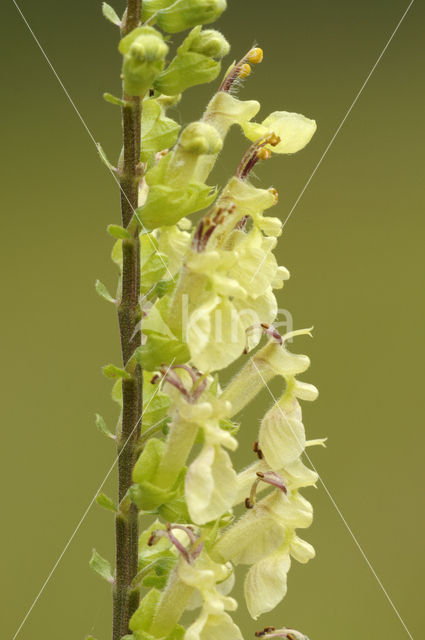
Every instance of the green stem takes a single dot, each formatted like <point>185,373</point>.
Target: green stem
<point>125,597</point>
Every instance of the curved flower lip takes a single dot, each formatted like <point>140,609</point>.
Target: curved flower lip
<point>294,130</point>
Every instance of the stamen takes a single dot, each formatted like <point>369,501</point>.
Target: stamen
<point>273,478</point>
<point>209,224</point>
<point>268,330</point>
<point>269,477</point>
<point>256,152</point>
<point>255,56</point>
<point>196,545</point>
<point>289,634</point>
<point>256,449</point>
<point>199,381</point>
<point>244,71</point>
<point>241,69</point>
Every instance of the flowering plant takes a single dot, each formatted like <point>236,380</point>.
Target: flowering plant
<point>196,294</point>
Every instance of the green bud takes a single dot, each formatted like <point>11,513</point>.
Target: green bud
<point>210,43</point>
<point>200,138</point>
<point>185,14</point>
<point>144,53</point>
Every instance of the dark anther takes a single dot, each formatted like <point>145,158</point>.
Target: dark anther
<point>248,503</point>
<point>256,449</point>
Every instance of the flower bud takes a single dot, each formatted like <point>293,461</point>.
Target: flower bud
<point>210,43</point>
<point>184,14</point>
<point>144,53</point>
<point>200,138</point>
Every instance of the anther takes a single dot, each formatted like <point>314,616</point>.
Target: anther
<point>274,193</point>
<point>249,504</point>
<point>195,547</point>
<point>244,71</point>
<point>268,330</point>
<point>256,449</point>
<point>255,56</point>
<point>264,154</point>
<point>268,477</point>
<point>288,634</point>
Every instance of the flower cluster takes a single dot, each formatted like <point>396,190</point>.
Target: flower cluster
<point>207,298</point>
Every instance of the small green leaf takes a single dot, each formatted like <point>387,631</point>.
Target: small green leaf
<point>111,371</point>
<point>101,425</point>
<point>116,231</point>
<point>103,291</point>
<point>114,100</point>
<point>106,502</point>
<point>110,14</point>
<point>101,566</point>
<point>104,158</point>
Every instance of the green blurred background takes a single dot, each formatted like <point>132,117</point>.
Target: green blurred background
<point>354,246</point>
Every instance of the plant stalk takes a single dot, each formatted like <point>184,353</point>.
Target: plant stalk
<point>125,597</point>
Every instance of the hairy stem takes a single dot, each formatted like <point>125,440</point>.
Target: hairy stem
<point>125,597</point>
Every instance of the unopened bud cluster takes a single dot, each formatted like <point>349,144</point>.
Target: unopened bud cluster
<point>221,261</point>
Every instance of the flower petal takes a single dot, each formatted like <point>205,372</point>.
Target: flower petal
<point>265,584</point>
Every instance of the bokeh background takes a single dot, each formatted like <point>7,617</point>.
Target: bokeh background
<point>354,246</point>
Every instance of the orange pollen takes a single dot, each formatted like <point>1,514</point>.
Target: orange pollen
<point>244,71</point>
<point>263,153</point>
<point>255,56</point>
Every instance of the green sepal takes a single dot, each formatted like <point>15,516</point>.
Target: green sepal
<point>166,205</point>
<point>148,497</point>
<point>103,291</point>
<point>141,619</point>
<point>111,371</point>
<point>110,14</point>
<point>228,425</point>
<point>160,349</point>
<point>158,131</point>
<point>149,7</point>
<point>158,582</point>
<point>101,566</point>
<point>116,231</point>
<point>108,97</point>
<point>106,502</point>
<point>152,270</point>
<point>148,461</point>
<point>156,411</point>
<point>174,510</point>
<point>185,14</point>
<point>187,70</point>
<point>101,425</point>
<point>163,287</point>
